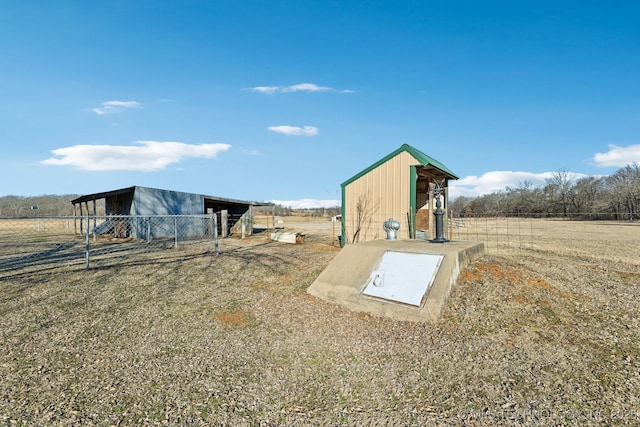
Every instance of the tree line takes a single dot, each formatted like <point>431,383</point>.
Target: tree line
<point>281,210</point>
<point>46,205</point>
<point>614,196</point>
<point>60,205</point>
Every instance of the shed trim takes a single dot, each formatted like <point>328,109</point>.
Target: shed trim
<point>419,155</point>
<point>103,195</point>
<point>413,177</point>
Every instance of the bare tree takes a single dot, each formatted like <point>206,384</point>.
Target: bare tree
<point>461,205</point>
<point>363,217</point>
<point>558,189</point>
<point>599,197</point>
<point>17,204</point>
<point>524,198</point>
<point>587,194</point>
<point>624,187</point>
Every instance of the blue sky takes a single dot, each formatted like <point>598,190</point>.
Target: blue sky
<point>285,100</point>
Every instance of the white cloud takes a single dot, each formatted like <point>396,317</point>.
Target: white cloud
<point>145,156</point>
<point>490,182</point>
<point>269,90</point>
<point>294,130</point>
<point>307,203</point>
<point>300,87</point>
<point>306,87</point>
<point>618,156</point>
<point>109,107</point>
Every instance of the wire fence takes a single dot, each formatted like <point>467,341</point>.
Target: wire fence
<point>37,244</point>
<point>499,234</point>
<point>504,235</point>
<point>28,244</point>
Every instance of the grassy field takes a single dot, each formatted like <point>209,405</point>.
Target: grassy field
<point>546,335</point>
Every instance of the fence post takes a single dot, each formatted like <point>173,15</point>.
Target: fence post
<point>224,219</point>
<point>86,243</point>
<point>95,220</point>
<point>506,217</point>
<point>215,232</point>
<point>497,236</point>
<point>451,225</point>
<point>175,231</point>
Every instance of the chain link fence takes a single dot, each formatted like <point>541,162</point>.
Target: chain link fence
<point>40,243</point>
<point>45,243</point>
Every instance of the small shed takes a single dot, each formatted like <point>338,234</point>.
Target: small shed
<point>401,186</point>
<point>139,202</point>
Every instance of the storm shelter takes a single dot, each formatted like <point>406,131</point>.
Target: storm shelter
<point>402,279</point>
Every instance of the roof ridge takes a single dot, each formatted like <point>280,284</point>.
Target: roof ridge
<point>423,158</point>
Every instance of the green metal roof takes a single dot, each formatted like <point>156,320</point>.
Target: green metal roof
<point>417,154</point>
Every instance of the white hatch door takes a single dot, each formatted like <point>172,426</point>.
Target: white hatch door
<point>403,277</point>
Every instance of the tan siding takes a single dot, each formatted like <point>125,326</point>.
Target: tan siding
<point>387,190</point>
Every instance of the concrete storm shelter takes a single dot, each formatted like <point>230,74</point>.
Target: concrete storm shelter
<point>399,186</point>
<point>402,273</point>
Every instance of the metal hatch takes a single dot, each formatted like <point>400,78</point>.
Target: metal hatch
<point>403,277</point>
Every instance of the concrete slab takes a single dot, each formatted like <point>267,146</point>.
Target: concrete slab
<point>347,275</point>
<point>287,237</point>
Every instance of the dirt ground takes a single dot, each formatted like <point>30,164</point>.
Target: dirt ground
<point>546,335</point>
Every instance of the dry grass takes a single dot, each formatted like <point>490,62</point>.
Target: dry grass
<point>548,336</point>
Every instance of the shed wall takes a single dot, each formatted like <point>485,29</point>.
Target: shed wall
<point>151,201</point>
<point>384,193</point>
